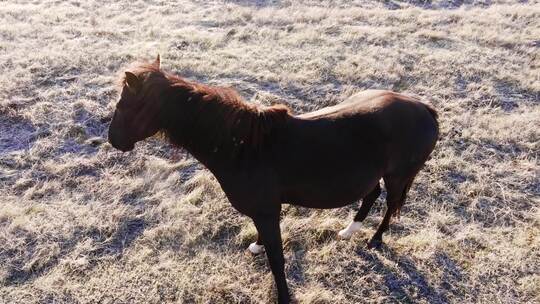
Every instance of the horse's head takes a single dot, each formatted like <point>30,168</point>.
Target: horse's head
<point>136,116</point>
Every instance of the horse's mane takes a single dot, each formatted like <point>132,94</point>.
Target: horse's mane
<point>224,116</point>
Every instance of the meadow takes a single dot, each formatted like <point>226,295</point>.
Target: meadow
<point>81,222</point>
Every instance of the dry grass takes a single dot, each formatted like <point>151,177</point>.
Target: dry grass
<point>81,223</point>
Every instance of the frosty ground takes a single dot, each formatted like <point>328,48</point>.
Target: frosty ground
<point>83,223</point>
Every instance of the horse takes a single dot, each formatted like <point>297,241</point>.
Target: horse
<point>263,157</point>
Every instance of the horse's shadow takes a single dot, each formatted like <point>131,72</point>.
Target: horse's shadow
<point>295,271</point>
<point>127,233</point>
<point>112,246</point>
<point>405,282</point>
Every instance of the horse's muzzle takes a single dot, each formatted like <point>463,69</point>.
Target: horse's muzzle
<point>126,148</point>
<point>122,145</point>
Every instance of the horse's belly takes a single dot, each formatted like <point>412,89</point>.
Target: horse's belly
<point>329,194</point>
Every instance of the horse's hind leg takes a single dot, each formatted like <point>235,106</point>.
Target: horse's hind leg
<point>367,202</point>
<point>396,193</point>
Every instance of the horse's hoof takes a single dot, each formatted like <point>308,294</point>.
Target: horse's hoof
<point>374,244</point>
<point>344,234</point>
<point>348,232</point>
<point>255,248</point>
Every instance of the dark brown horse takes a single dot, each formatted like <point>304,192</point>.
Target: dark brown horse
<point>264,157</point>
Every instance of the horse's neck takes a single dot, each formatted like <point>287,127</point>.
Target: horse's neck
<point>199,128</point>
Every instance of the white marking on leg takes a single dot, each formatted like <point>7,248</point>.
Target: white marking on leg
<point>348,232</point>
<point>256,248</point>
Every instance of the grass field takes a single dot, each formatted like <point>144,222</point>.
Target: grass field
<point>83,223</point>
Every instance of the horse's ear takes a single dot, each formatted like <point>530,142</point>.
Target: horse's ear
<point>132,82</point>
<point>157,63</point>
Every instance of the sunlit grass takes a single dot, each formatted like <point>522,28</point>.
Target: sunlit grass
<point>83,223</point>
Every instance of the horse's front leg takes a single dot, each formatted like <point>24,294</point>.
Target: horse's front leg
<point>270,235</point>
<point>257,246</point>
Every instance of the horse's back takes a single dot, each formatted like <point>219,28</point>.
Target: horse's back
<point>359,103</point>
<point>386,115</point>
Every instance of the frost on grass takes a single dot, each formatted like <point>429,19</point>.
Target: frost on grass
<point>80,221</point>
